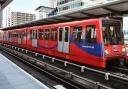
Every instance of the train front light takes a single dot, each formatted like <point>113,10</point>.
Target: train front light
<point>106,52</point>
<point>123,49</point>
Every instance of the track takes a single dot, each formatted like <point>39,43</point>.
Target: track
<point>119,70</point>
<point>113,81</point>
<point>68,83</point>
<point>38,72</point>
<point>38,75</point>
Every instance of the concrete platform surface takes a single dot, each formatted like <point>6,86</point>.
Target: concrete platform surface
<point>13,77</point>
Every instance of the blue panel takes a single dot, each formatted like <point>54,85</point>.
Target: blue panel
<point>93,49</point>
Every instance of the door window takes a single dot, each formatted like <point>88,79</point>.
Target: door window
<point>31,35</point>
<point>34,34</point>
<point>60,34</point>
<point>66,34</point>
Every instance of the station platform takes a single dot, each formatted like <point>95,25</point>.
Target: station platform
<point>13,77</point>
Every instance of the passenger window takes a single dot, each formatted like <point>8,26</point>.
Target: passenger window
<point>19,35</point>
<point>41,34</point>
<point>60,34</point>
<point>23,34</point>
<point>47,34</point>
<point>66,34</point>
<point>31,34</point>
<point>90,34</point>
<point>77,34</point>
<point>54,34</point>
<point>9,35</point>
<point>34,34</point>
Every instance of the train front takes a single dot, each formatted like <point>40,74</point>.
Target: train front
<point>114,49</point>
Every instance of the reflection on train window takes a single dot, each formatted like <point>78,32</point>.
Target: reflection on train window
<point>66,34</point>
<point>47,34</point>
<point>90,34</point>
<point>54,34</point>
<point>41,34</point>
<point>60,34</point>
<point>77,34</point>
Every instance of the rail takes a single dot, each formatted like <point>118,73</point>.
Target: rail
<point>68,75</point>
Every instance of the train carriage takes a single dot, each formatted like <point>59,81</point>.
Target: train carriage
<point>91,42</point>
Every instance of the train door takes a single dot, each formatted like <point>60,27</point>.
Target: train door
<point>19,38</point>
<point>34,38</point>
<point>63,41</point>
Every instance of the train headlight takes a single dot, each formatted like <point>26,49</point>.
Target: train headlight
<point>123,50</point>
<point>106,52</point>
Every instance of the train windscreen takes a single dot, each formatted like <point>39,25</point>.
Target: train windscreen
<point>112,32</point>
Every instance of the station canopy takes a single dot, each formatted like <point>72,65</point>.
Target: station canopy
<point>116,8</point>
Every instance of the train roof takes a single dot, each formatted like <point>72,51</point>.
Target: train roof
<point>108,9</point>
<point>65,24</point>
<point>62,24</point>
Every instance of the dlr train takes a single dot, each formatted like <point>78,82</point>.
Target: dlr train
<point>91,42</point>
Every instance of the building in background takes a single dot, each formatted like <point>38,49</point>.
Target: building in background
<point>3,4</point>
<point>7,14</point>
<point>20,18</point>
<point>53,3</point>
<point>66,6</point>
<point>43,11</point>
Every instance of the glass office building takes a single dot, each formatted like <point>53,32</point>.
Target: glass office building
<point>65,6</point>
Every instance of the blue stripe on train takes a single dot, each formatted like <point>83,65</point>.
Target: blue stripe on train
<point>93,49</point>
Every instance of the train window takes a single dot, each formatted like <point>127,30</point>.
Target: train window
<point>34,34</point>
<point>23,34</point>
<point>54,34</point>
<point>19,35</point>
<point>9,35</point>
<point>66,34</point>
<point>31,35</point>
<point>47,34</point>
<point>90,34</point>
<point>41,34</point>
<point>77,34</point>
<point>60,34</point>
<point>112,32</point>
